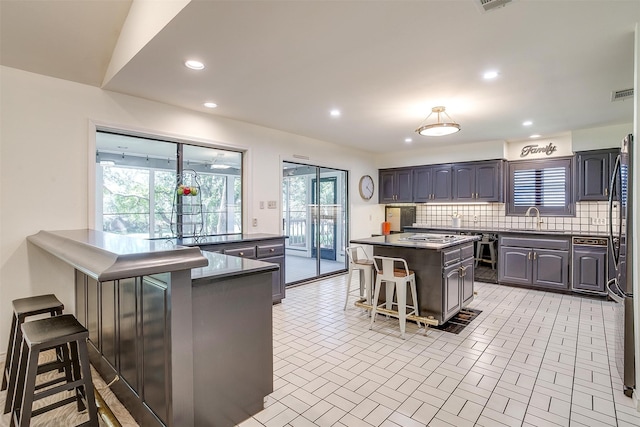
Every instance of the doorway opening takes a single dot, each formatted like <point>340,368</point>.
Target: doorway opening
<point>314,217</point>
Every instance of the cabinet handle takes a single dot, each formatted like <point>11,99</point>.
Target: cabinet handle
<point>535,255</point>
<point>529,255</point>
<point>272,250</point>
<point>606,191</point>
<point>241,254</point>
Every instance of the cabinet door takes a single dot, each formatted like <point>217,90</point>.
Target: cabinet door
<point>404,189</point>
<point>515,265</point>
<point>422,184</point>
<point>387,186</point>
<point>466,281</point>
<point>488,182</point>
<point>155,347</point>
<point>277,283</point>
<point>550,268</point>
<point>589,268</point>
<point>464,182</point>
<point>441,179</point>
<point>594,175</point>
<point>108,321</point>
<point>451,292</point>
<point>128,343</point>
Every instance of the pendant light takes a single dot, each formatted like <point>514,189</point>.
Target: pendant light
<point>439,128</point>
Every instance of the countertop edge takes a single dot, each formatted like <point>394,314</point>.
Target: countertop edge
<point>106,265</point>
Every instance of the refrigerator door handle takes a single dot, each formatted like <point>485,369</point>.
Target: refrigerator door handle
<point>614,242</point>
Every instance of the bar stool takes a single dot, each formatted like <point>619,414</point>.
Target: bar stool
<point>487,240</point>
<point>23,308</point>
<point>394,278</point>
<point>67,333</point>
<point>358,260</point>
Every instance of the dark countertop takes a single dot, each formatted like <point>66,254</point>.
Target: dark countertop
<point>107,256</point>
<point>400,240</point>
<point>224,266</point>
<point>497,230</point>
<point>226,239</point>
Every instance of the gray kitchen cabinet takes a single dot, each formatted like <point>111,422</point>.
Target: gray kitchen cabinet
<point>432,183</point>
<point>457,280</point>
<point>531,261</point>
<point>395,185</point>
<point>589,269</point>
<point>594,174</point>
<point>478,181</point>
<point>271,250</point>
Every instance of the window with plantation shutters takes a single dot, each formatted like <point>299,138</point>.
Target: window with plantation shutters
<point>545,184</point>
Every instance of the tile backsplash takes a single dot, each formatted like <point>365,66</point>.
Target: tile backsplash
<point>591,217</point>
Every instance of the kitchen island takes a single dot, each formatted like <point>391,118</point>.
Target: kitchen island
<point>186,334</point>
<point>443,265</point>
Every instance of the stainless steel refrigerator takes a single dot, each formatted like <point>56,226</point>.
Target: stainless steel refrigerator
<point>620,288</point>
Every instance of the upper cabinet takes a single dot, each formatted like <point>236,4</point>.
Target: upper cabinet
<point>594,169</point>
<point>478,181</point>
<point>460,182</point>
<point>432,183</point>
<point>395,185</point>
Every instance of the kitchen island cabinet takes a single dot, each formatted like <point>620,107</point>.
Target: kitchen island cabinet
<point>170,322</point>
<point>444,270</point>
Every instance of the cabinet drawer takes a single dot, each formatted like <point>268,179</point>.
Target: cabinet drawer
<point>244,252</point>
<point>450,256</point>
<point>270,250</point>
<point>528,242</point>
<point>466,251</point>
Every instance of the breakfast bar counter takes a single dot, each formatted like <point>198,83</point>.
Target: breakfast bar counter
<point>185,334</point>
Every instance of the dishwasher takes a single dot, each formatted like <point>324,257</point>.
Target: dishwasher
<point>590,265</point>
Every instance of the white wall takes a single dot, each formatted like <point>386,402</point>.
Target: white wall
<point>45,152</point>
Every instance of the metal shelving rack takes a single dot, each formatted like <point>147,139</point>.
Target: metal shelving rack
<point>186,216</point>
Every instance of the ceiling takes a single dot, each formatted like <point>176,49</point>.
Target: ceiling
<point>383,64</point>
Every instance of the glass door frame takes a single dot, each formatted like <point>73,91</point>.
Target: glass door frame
<point>315,211</point>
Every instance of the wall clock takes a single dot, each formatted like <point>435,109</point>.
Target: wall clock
<point>366,187</point>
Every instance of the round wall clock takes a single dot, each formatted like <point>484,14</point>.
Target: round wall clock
<point>366,187</point>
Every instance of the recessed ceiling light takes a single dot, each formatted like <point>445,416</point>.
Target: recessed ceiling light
<point>527,123</point>
<point>408,140</point>
<point>194,65</point>
<point>535,136</point>
<point>490,75</point>
<point>210,104</point>
<point>335,113</point>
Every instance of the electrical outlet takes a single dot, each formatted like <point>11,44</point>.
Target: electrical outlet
<point>272,204</point>
<point>255,222</point>
<point>598,221</point>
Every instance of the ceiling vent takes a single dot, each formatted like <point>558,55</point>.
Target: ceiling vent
<point>489,5</point>
<point>620,95</point>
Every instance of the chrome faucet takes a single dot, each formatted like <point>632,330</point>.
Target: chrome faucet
<point>538,220</point>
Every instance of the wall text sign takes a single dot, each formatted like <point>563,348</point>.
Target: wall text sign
<point>536,149</point>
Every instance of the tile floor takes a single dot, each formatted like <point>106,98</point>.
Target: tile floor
<point>530,359</point>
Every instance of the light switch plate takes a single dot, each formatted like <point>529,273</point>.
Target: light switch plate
<point>272,204</point>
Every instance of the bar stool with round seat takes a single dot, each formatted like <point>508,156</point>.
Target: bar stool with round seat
<point>358,260</point>
<point>39,335</point>
<point>394,279</point>
<point>22,309</point>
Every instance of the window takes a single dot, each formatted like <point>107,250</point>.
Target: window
<point>137,180</point>
<point>545,184</point>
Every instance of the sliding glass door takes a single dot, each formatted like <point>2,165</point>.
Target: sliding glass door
<point>314,219</point>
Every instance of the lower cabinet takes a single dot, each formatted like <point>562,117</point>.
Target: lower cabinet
<point>540,262</point>
<point>589,269</point>
<point>271,250</point>
<point>457,281</point>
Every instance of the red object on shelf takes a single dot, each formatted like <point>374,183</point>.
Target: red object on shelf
<point>386,228</point>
